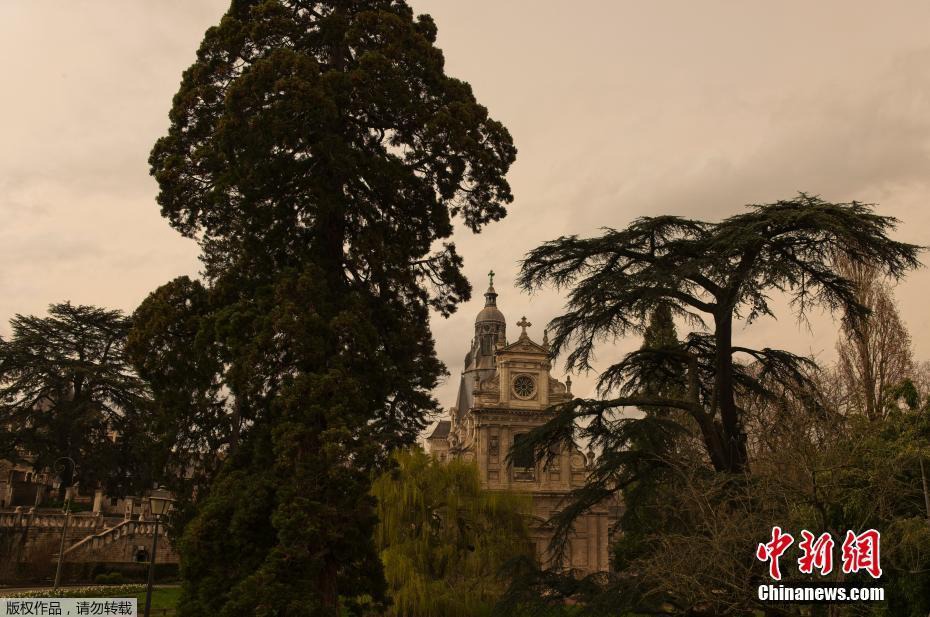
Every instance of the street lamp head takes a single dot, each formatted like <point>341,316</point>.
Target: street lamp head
<point>61,464</point>
<point>160,501</point>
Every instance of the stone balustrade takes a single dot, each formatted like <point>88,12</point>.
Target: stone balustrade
<point>30,536</point>
<point>88,522</point>
<point>118,543</point>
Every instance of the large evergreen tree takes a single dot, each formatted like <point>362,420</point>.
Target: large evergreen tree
<point>67,389</point>
<point>318,153</point>
<point>711,275</point>
<point>693,514</point>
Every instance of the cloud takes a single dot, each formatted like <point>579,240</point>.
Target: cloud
<point>706,160</point>
<point>619,109</point>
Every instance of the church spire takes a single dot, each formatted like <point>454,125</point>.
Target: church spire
<point>490,296</point>
<point>490,329</point>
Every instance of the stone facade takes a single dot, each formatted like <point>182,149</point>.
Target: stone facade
<point>21,485</point>
<point>505,391</point>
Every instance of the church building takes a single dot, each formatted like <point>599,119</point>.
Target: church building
<point>505,391</point>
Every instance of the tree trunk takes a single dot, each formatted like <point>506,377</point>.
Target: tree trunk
<point>734,445</point>
<point>923,480</point>
<point>710,432</point>
<point>328,587</point>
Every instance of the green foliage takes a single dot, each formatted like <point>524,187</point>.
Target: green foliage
<point>304,125</point>
<point>882,488</point>
<point>709,274</point>
<point>660,332</point>
<point>319,155</point>
<point>109,578</point>
<point>67,389</point>
<point>693,512</point>
<point>443,539</point>
<point>176,350</point>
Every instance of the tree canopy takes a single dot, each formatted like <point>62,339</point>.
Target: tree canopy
<point>694,507</point>
<point>875,349</point>
<point>711,275</point>
<point>330,130</point>
<point>445,540</point>
<point>319,154</point>
<point>67,389</point>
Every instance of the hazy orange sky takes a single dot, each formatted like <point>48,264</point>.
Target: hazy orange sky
<point>619,110</point>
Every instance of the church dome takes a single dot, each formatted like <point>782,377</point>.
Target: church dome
<point>490,313</point>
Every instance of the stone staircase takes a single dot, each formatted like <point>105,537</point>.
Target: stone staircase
<point>120,543</point>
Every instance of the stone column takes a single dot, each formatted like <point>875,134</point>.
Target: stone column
<point>506,473</point>
<point>594,542</point>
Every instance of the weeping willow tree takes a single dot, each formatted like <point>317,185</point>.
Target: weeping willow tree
<point>444,539</point>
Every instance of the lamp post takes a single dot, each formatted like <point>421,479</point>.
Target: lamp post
<point>60,467</point>
<point>159,503</point>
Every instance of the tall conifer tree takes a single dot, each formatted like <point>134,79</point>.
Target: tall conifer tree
<point>318,153</point>
<point>712,275</point>
<point>67,389</point>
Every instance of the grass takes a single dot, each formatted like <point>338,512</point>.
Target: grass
<point>162,598</point>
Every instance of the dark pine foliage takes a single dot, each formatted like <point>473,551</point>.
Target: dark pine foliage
<point>710,275</point>
<point>319,154</point>
<point>67,389</point>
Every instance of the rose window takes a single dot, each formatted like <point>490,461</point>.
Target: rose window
<point>524,386</point>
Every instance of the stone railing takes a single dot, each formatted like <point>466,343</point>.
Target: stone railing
<point>100,543</point>
<point>107,536</point>
<point>34,536</point>
<point>87,522</point>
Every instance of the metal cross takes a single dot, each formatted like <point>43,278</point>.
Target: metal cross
<point>523,323</point>
<point>491,277</point>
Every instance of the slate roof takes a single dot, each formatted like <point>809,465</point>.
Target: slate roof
<point>442,430</point>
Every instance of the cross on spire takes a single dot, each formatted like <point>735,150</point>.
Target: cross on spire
<point>523,323</point>
<point>491,278</point>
